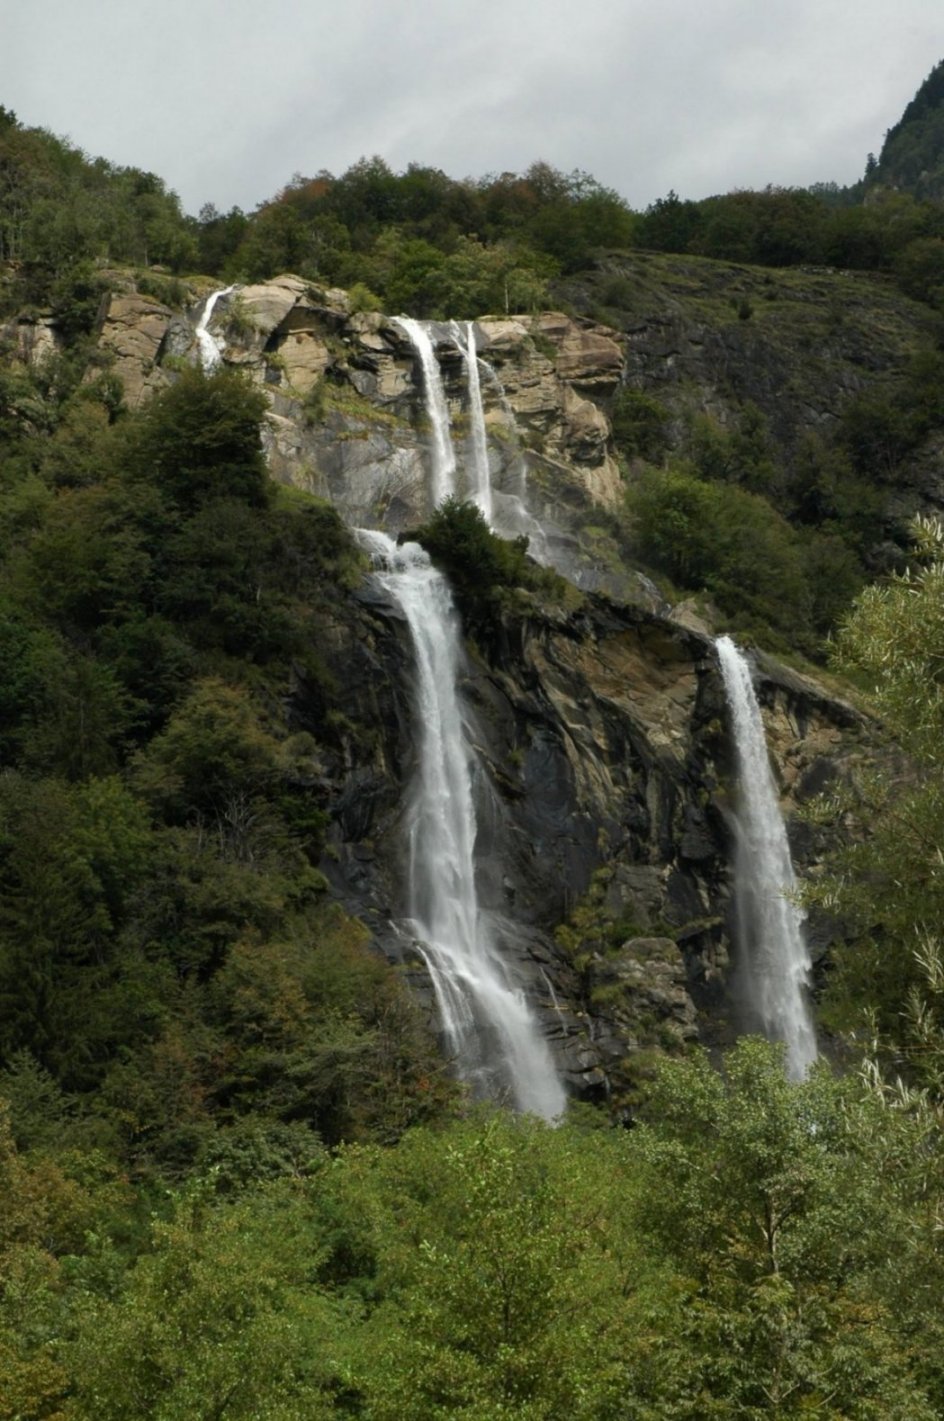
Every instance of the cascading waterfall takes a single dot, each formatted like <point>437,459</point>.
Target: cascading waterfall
<point>443,481</point>
<point>505,513</point>
<point>480,479</point>
<point>775,959</point>
<point>210,352</point>
<point>488,1025</point>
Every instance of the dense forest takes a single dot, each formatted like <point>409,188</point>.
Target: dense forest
<point>237,1178</point>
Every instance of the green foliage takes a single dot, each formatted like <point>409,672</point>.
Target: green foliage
<point>639,423</point>
<point>159,601</point>
<point>60,213</point>
<point>882,426</point>
<point>755,1247</point>
<point>201,441</point>
<point>458,537</point>
<point>887,887</point>
<point>910,156</point>
<point>219,1316</point>
<point>919,269</point>
<point>793,226</point>
<point>729,542</point>
<point>496,1258</point>
<point>742,455</point>
<point>772,1200</point>
<point>487,573</point>
<point>424,243</point>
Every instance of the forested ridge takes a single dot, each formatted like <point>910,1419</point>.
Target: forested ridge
<point>236,1176</point>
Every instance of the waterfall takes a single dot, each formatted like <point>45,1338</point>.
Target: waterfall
<point>444,459</point>
<point>480,482</point>
<point>210,351</point>
<point>487,1023</point>
<point>775,958</point>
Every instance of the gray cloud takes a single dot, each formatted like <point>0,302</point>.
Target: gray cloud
<point>226,99</point>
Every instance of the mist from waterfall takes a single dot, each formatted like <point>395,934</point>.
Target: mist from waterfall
<point>209,348</point>
<point>443,472</point>
<point>774,958</point>
<point>489,1028</point>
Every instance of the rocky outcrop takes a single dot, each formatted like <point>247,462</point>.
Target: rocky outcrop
<point>132,332</point>
<point>346,418</point>
<point>604,817</point>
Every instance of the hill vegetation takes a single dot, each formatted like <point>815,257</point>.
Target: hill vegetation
<point>235,1177</point>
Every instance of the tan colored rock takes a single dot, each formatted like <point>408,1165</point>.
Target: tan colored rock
<point>644,673</point>
<point>132,332</point>
<point>603,482</point>
<point>554,325</point>
<point>305,357</point>
<point>502,334</point>
<point>366,326</point>
<point>533,391</point>
<point>268,303</point>
<point>588,428</point>
<point>393,379</point>
<point>685,615</point>
<point>589,357</point>
<point>32,341</point>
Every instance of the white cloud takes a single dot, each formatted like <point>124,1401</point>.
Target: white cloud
<point>225,99</point>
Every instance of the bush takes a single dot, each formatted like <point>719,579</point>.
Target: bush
<point>728,542</point>
<point>482,568</point>
<point>200,441</point>
<point>639,424</point>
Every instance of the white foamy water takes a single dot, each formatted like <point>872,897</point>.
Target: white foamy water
<point>775,960</point>
<point>488,1025</point>
<point>443,471</point>
<point>478,476</point>
<point>211,352</point>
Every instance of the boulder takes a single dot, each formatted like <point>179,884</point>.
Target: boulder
<point>268,303</point>
<point>305,358</point>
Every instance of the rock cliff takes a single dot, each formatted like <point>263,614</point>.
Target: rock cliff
<point>604,814</point>
<point>604,768</point>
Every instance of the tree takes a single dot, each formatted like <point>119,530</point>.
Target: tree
<point>888,886</point>
<point>504,1281</point>
<point>220,1317</point>
<point>776,1202</point>
<point>727,541</point>
<point>200,440</point>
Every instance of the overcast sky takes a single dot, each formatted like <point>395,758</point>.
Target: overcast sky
<point>227,99</point>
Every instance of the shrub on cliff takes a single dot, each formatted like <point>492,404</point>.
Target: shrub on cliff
<point>483,569</point>
<point>730,543</point>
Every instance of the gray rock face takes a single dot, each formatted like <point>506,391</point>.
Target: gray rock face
<point>602,804</point>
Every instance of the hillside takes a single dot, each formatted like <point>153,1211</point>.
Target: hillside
<point>912,156</point>
<point>255,1145</point>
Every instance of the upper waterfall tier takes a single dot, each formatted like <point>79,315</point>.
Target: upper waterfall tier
<point>210,349</point>
<point>443,472</point>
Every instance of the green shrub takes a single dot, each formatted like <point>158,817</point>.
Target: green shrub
<point>729,542</point>
<point>639,423</point>
<point>483,569</point>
